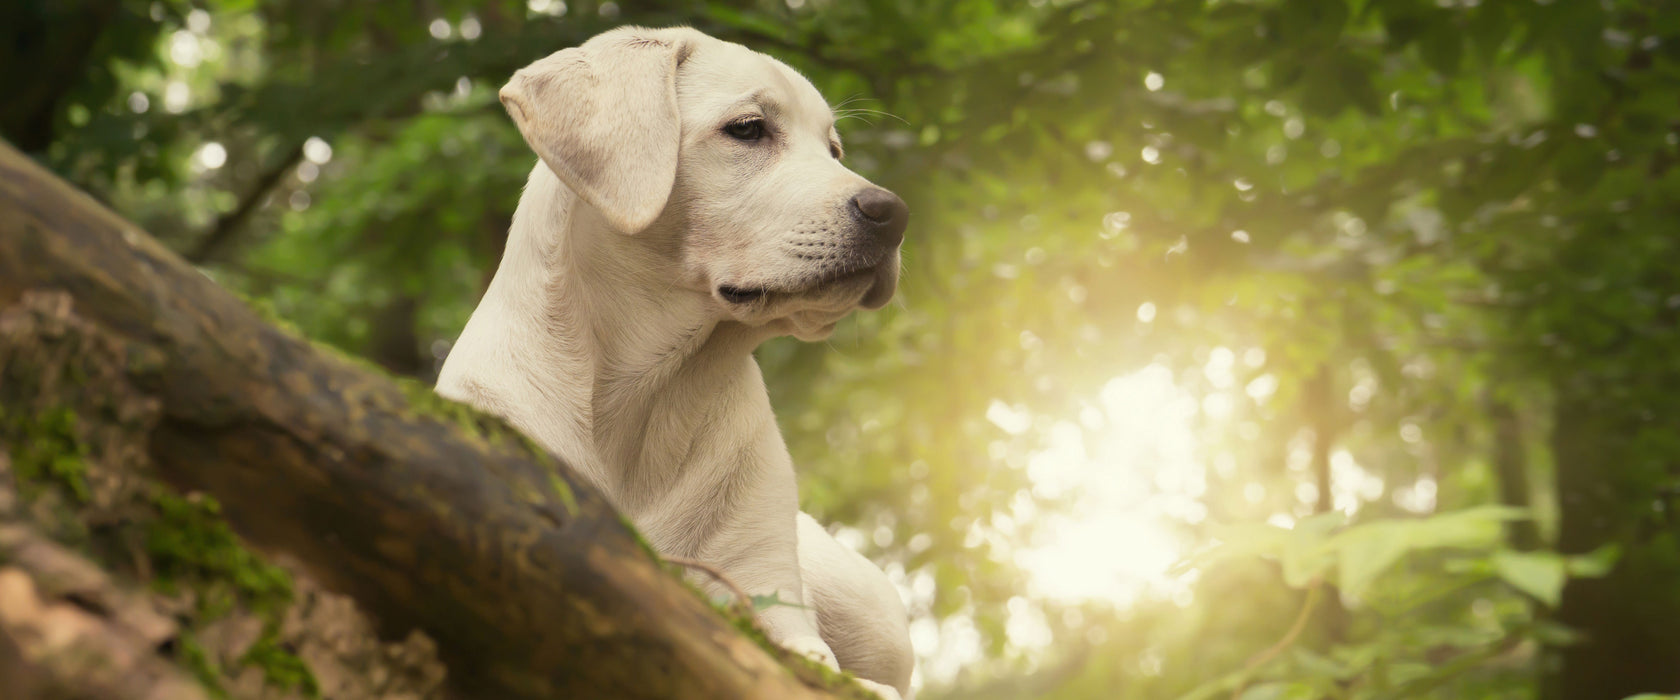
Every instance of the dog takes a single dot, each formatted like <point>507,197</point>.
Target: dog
<point>689,203</point>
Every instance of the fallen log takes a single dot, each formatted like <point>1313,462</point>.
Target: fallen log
<point>427,514</point>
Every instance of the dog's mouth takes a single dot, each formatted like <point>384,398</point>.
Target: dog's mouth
<point>746,296</point>
<point>741,295</point>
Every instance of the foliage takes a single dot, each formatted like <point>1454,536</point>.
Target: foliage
<point>1405,268</point>
<point>1446,597</point>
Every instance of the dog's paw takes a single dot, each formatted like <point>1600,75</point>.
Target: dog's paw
<point>813,648</point>
<point>886,692</point>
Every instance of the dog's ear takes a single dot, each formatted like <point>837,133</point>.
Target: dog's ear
<point>603,116</point>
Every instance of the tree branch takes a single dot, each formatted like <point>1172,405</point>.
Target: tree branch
<point>229,225</point>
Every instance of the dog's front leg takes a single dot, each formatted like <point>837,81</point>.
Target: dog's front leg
<point>753,541</point>
<point>788,619</point>
<point>757,550</point>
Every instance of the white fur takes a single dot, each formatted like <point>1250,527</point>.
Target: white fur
<point>605,336</point>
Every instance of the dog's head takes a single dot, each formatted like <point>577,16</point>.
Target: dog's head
<point>723,160</point>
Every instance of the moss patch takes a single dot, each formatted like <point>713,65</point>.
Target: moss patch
<point>280,665</point>
<point>421,398</point>
<point>46,452</point>
<point>564,491</point>
<point>810,672</point>
<point>193,657</point>
<point>492,430</point>
<point>189,543</point>
<point>191,547</point>
<point>264,309</point>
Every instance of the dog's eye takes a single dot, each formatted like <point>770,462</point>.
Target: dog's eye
<point>746,129</point>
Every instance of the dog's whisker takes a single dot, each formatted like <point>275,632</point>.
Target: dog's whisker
<point>853,98</point>
<point>853,116</point>
<point>878,112</point>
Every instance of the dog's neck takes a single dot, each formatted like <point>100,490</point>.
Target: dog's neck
<point>616,341</point>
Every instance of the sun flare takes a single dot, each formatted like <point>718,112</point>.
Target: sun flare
<point>1131,464</point>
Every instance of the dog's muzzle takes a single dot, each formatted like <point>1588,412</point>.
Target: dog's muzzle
<point>879,219</point>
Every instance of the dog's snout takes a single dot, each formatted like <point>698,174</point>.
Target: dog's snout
<point>883,213</point>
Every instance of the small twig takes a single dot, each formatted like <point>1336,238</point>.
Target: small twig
<point>228,225</point>
<point>741,597</point>
<point>1254,663</point>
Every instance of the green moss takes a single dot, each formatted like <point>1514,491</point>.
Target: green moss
<point>564,491</point>
<point>423,400</point>
<point>192,656</point>
<point>280,666</point>
<point>807,670</point>
<point>810,672</point>
<point>189,544</point>
<point>642,541</point>
<point>265,309</point>
<point>47,451</point>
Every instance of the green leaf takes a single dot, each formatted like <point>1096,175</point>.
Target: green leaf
<point>1322,666</point>
<point>762,602</point>
<point>1462,528</point>
<point>1366,552</point>
<point>1305,555</point>
<point>1234,542</point>
<point>1539,574</point>
<point>1596,563</point>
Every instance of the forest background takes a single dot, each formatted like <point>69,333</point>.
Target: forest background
<point>1270,348</point>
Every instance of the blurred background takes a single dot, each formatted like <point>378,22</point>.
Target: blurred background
<point>1245,348</point>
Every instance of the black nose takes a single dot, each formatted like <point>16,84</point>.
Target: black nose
<point>883,214</point>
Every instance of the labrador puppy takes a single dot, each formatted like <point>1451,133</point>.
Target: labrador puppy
<point>690,203</point>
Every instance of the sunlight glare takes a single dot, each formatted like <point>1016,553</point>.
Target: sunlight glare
<point>1133,471</point>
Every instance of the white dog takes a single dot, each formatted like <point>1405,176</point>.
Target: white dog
<point>689,204</point>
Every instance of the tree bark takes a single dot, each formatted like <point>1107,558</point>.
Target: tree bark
<point>58,45</point>
<point>1510,463</point>
<point>1629,643</point>
<point>1320,412</point>
<point>429,515</point>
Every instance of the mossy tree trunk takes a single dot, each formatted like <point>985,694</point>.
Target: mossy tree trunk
<point>428,515</point>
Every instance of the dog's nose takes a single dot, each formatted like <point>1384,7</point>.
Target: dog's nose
<point>883,213</point>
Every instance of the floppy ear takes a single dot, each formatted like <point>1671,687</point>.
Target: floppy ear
<point>603,117</point>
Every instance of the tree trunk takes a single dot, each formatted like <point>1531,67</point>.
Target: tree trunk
<point>1322,412</point>
<point>1510,463</point>
<point>1629,641</point>
<point>57,45</point>
<point>394,343</point>
<point>427,514</point>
